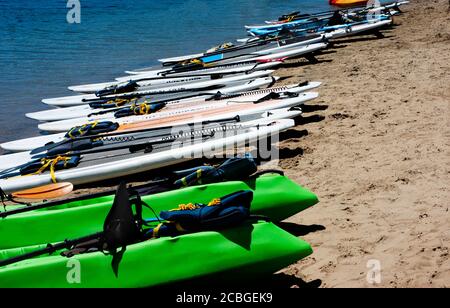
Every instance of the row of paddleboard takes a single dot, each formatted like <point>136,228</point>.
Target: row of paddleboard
<point>180,112</point>
<point>159,116</point>
<point>237,120</point>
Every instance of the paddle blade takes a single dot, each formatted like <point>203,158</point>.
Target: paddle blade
<point>50,191</point>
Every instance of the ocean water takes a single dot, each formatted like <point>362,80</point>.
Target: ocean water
<point>41,53</point>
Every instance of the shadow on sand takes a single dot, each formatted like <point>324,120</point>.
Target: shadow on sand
<point>309,119</point>
<point>313,108</point>
<point>300,230</point>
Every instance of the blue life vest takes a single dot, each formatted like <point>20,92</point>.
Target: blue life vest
<point>91,129</point>
<point>73,145</point>
<point>117,89</point>
<point>51,164</point>
<point>140,109</point>
<point>225,212</point>
<point>232,169</point>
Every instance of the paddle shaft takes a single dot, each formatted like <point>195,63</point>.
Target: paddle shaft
<point>50,249</point>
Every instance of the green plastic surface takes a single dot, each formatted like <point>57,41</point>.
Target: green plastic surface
<point>249,249</point>
<point>275,196</point>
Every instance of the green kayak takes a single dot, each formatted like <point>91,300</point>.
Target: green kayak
<point>249,249</point>
<point>274,196</point>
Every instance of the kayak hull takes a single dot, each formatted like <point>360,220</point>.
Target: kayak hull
<point>250,249</point>
<point>274,196</point>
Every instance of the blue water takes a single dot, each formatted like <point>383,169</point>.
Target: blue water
<point>41,53</point>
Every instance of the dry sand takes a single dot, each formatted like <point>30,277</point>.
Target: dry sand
<point>375,148</point>
<point>378,156</point>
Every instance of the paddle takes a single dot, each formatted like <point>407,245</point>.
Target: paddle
<point>51,191</point>
<point>50,248</point>
<point>159,185</point>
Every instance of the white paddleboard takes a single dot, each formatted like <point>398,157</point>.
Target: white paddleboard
<point>11,160</point>
<point>231,67</point>
<point>84,110</point>
<point>29,144</point>
<point>172,109</point>
<point>355,29</point>
<point>85,99</point>
<point>146,162</point>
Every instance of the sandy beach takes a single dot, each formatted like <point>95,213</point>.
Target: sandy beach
<point>376,152</point>
<point>375,148</point>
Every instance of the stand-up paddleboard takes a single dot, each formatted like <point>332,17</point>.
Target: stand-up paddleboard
<point>123,163</point>
<point>152,81</point>
<point>354,11</point>
<point>357,29</point>
<point>256,47</point>
<point>296,52</point>
<point>319,21</point>
<point>76,100</point>
<point>57,114</point>
<point>281,54</point>
<point>231,110</point>
<point>178,109</point>
<point>11,160</point>
<point>228,67</point>
<point>94,87</point>
<point>325,28</point>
